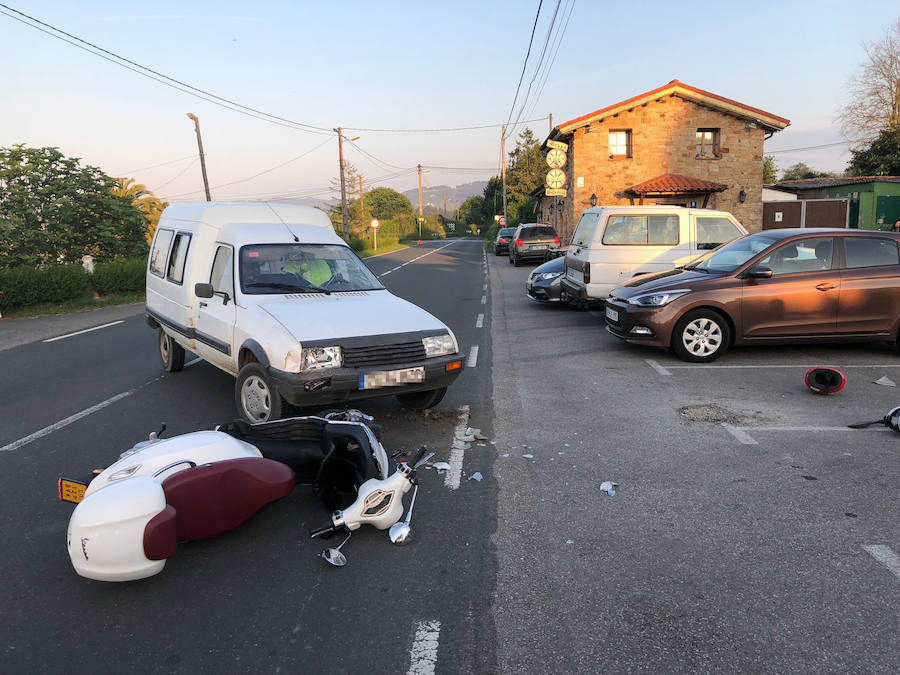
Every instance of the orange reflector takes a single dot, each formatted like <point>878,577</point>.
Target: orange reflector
<point>453,365</point>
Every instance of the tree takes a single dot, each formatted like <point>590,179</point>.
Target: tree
<point>874,92</point>
<point>351,187</point>
<point>770,171</point>
<point>880,158</point>
<point>800,171</point>
<point>526,172</point>
<point>386,204</point>
<point>52,209</point>
<point>493,198</point>
<point>143,200</point>
<point>471,211</point>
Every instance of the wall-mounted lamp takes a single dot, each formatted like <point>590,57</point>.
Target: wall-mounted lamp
<point>742,196</point>
<point>593,200</point>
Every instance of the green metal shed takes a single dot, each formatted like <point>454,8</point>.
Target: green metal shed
<point>874,200</point>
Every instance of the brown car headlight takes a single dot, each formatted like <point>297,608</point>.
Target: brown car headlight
<point>657,299</point>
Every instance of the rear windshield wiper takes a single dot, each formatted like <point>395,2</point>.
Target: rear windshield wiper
<point>288,287</point>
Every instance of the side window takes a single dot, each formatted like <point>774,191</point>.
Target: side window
<point>715,231</point>
<point>708,143</point>
<point>160,251</point>
<point>587,227</point>
<point>659,230</point>
<point>222,275</point>
<point>870,252</point>
<point>805,255</point>
<point>178,257</point>
<point>619,143</point>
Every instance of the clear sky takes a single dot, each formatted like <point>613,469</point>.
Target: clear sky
<point>401,65</point>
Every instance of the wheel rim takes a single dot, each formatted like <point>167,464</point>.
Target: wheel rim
<point>702,337</point>
<point>256,399</point>
<point>164,347</point>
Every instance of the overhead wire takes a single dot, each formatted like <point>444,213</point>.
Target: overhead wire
<point>525,64</point>
<point>557,43</point>
<point>156,166</point>
<point>179,175</point>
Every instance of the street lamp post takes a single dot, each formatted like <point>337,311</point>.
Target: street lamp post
<point>202,157</point>
<point>345,216</point>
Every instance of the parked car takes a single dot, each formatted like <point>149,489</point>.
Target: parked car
<point>791,286</point>
<point>611,244</point>
<point>543,284</point>
<point>501,242</point>
<point>532,241</point>
<point>270,294</point>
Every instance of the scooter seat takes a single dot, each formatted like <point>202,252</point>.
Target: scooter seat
<point>214,498</point>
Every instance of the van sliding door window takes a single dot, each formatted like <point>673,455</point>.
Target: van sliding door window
<point>222,276</point>
<point>160,251</point>
<point>659,230</point>
<point>715,231</point>
<point>587,227</point>
<point>177,257</point>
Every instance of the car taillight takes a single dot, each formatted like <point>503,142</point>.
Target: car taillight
<point>503,240</point>
<point>557,240</point>
<point>518,242</point>
<point>587,273</point>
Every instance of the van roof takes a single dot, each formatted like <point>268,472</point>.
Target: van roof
<point>655,208</point>
<point>219,214</point>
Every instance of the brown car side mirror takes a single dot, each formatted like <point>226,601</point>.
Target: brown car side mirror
<point>758,273</point>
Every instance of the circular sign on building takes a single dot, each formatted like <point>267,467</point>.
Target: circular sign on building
<point>556,159</point>
<point>501,221</point>
<point>556,178</point>
<point>374,224</point>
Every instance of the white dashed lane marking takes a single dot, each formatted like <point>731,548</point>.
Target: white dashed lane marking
<point>424,651</point>
<point>479,322</point>
<point>473,356</point>
<point>457,450</point>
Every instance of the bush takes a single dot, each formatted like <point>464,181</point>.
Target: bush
<point>23,286</point>
<point>125,276</point>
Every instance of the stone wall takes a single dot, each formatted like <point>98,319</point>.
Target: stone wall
<point>664,141</point>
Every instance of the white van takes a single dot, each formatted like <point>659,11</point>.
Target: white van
<point>614,243</point>
<point>270,294</point>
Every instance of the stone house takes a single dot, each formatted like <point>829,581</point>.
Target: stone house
<point>673,145</point>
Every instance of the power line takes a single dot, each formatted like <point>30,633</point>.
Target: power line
<point>376,160</point>
<point>557,43</point>
<point>417,131</point>
<point>179,175</point>
<point>156,166</point>
<point>525,64</point>
<point>540,63</point>
<point>811,147</point>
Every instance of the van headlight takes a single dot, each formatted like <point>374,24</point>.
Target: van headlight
<point>440,345</point>
<point>657,299</point>
<point>316,358</point>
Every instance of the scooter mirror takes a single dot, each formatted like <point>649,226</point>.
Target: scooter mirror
<point>334,557</point>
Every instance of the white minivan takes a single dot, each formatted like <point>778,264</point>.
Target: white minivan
<point>270,294</point>
<point>614,243</point>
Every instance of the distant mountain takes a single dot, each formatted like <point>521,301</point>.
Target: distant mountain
<point>433,197</point>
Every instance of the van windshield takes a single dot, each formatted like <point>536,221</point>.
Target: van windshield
<point>303,268</point>
<point>732,255</point>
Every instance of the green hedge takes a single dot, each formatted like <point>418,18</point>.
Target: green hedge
<point>126,276</point>
<point>53,283</point>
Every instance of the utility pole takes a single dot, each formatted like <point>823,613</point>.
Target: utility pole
<point>503,157</point>
<point>202,157</point>
<point>345,216</point>
<point>551,123</point>
<point>421,212</point>
<point>362,204</point>
<point>445,205</point>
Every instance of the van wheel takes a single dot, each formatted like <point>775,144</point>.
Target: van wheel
<point>171,353</point>
<point>256,396</point>
<point>701,336</point>
<point>422,400</point>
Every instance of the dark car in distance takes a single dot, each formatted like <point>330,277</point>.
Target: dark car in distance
<point>776,286</point>
<point>543,284</point>
<point>532,241</point>
<point>501,243</point>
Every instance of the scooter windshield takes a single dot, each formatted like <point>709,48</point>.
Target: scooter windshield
<point>303,268</point>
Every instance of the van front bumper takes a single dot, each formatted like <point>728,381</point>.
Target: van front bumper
<point>337,385</point>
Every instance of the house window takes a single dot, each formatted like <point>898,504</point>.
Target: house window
<point>708,143</point>
<point>620,143</point>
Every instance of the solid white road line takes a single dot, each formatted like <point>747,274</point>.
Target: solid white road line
<point>86,330</point>
<point>424,255</point>
<point>457,450</point>
<point>479,322</point>
<point>763,366</point>
<point>66,422</point>
<point>886,557</point>
<point>424,651</point>
<point>739,434</point>
<point>658,368</point>
<point>473,357</point>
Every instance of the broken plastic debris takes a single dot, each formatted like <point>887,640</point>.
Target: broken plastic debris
<point>441,466</point>
<point>884,380</point>
<point>476,476</point>
<point>569,541</point>
<point>506,454</point>
<point>609,487</point>
<point>465,438</point>
<point>529,456</point>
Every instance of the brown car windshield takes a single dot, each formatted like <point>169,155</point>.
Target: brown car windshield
<point>728,257</point>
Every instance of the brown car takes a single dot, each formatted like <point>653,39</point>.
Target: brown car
<point>792,285</point>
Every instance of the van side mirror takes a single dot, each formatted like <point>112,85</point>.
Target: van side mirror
<point>203,290</point>
<point>758,273</point>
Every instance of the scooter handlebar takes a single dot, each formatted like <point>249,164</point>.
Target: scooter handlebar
<point>321,531</point>
<point>418,457</point>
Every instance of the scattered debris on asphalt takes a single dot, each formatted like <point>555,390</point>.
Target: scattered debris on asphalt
<point>441,466</point>
<point>885,381</point>
<point>475,476</point>
<point>528,456</point>
<point>609,487</point>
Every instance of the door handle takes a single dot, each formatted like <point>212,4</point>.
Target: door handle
<point>202,304</point>
<point>825,286</point>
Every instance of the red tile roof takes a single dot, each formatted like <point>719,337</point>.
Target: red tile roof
<point>686,91</point>
<point>673,182</point>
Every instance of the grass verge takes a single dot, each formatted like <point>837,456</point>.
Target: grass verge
<point>84,303</point>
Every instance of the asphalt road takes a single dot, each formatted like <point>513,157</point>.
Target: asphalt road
<point>257,599</point>
<point>751,530</point>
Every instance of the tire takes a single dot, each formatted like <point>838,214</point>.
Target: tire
<point>170,352</point>
<point>496,251</point>
<point>515,260</point>
<point>422,400</point>
<point>510,257</point>
<point>256,397</point>
<point>701,336</point>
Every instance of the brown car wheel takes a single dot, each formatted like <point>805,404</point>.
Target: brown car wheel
<point>701,336</point>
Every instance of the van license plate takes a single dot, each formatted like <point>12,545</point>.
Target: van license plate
<point>391,378</point>
<point>612,314</point>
